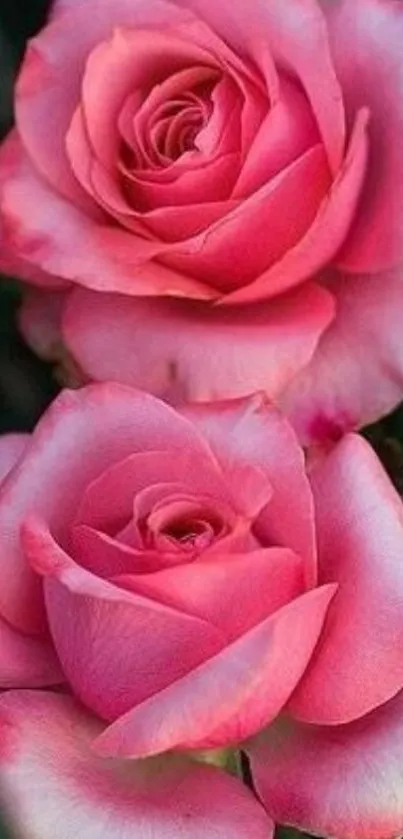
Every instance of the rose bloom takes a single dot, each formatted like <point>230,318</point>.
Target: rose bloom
<point>175,583</point>
<point>229,175</point>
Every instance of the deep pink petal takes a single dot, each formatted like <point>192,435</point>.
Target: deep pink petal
<point>356,373</point>
<point>93,621</point>
<point>53,785</point>
<point>297,35</point>
<point>344,781</point>
<point>327,231</point>
<point>258,232</point>
<point>12,447</point>
<point>357,664</point>
<point>234,592</point>
<point>108,423</point>
<point>230,696</point>
<point>26,661</point>
<point>260,347</point>
<point>252,431</point>
<point>285,134</point>
<point>366,38</point>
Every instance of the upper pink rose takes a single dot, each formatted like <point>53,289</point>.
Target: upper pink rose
<point>221,153</point>
<point>186,580</point>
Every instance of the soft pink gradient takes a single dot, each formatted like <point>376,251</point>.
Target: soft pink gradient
<point>227,165</point>
<point>53,784</point>
<point>343,781</point>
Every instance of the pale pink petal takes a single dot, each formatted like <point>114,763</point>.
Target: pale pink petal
<point>296,33</point>
<point>344,781</point>
<point>233,592</point>
<point>11,261</point>
<point>26,661</point>
<point>230,696</point>
<point>259,348</point>
<point>53,785</point>
<point>357,664</point>
<point>366,37</point>
<point>356,373</point>
<point>108,423</point>
<point>63,241</point>
<point>147,645</point>
<point>254,432</point>
<point>327,231</point>
<point>12,447</point>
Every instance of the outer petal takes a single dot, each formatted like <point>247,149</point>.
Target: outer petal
<point>358,663</point>
<point>230,696</point>
<point>356,373</point>
<point>259,348</point>
<point>63,241</point>
<point>12,447</point>
<point>253,431</point>
<point>52,785</point>
<point>104,423</point>
<point>147,645</point>
<point>366,37</point>
<point>25,661</point>
<point>345,781</point>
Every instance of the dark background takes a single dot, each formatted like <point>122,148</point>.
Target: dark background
<point>26,384</point>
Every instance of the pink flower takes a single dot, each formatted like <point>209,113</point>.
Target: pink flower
<point>246,155</point>
<point>185,582</point>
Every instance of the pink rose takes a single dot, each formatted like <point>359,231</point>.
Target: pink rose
<point>241,154</point>
<point>189,581</point>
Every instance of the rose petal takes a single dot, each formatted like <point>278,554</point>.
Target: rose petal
<point>357,664</point>
<point>287,132</point>
<point>254,432</point>
<point>93,621</point>
<point>65,242</point>
<point>230,696</point>
<point>297,35</point>
<point>233,592</point>
<point>12,447</point>
<point>258,232</point>
<point>53,785</point>
<point>26,661</point>
<point>106,422</point>
<point>260,347</point>
<point>356,373</point>
<point>48,89</point>
<point>327,231</point>
<point>344,781</point>
<point>366,38</point>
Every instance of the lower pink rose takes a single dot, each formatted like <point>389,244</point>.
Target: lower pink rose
<point>163,568</point>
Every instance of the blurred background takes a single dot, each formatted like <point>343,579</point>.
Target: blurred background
<point>26,384</point>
